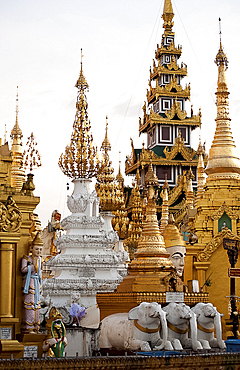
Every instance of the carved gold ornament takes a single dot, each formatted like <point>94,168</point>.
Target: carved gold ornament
<point>10,216</point>
<point>215,243</point>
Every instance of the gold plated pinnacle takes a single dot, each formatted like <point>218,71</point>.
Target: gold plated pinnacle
<point>80,157</point>
<point>223,159</point>
<point>168,16</point>
<point>109,191</point>
<point>16,131</point>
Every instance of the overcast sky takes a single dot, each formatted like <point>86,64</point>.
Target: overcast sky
<point>40,46</point>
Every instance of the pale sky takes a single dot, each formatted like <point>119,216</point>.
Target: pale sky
<point>40,46</point>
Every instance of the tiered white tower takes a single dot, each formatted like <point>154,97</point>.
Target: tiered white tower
<point>87,263</point>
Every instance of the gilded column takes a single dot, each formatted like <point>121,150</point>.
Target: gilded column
<point>6,279</point>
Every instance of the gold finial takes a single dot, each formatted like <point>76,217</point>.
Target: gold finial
<point>17,171</point>
<point>17,105</point>
<point>80,157</point>
<point>165,185</point>
<point>168,16</point>
<point>220,30</point>
<point>150,178</point>
<point>223,159</point>
<point>119,176</point>
<point>81,83</point>
<point>31,156</point>
<point>221,57</point>
<point>16,132</point>
<point>106,146</point>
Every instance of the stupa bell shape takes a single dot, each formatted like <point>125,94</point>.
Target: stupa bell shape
<point>223,161</point>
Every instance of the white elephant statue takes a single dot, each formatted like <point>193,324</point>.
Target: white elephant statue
<point>207,318</point>
<point>182,327</point>
<point>136,329</point>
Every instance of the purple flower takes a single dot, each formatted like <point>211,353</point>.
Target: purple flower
<point>77,311</point>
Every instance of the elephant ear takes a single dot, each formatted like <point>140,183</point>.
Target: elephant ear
<point>133,314</point>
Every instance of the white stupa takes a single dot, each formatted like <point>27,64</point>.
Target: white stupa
<point>88,262</point>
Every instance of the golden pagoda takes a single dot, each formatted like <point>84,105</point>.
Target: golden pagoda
<point>166,123</point>
<point>218,210</point>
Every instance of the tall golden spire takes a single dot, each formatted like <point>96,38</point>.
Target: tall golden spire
<point>168,16</point>
<point>223,159</point>
<point>109,191</point>
<point>79,159</point>
<point>17,172</point>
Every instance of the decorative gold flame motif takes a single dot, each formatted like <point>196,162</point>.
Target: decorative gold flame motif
<point>109,191</point>
<point>80,157</point>
<point>31,156</point>
<point>223,159</point>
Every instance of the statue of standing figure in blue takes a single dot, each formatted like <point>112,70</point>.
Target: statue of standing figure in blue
<point>31,267</point>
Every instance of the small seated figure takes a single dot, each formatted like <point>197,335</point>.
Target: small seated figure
<point>31,267</point>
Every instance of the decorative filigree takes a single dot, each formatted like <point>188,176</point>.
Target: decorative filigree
<point>174,193</point>
<point>215,243</point>
<point>179,147</point>
<point>173,64</point>
<point>176,110</point>
<point>78,204</point>
<point>228,210</point>
<point>80,157</point>
<point>10,216</point>
<point>173,85</point>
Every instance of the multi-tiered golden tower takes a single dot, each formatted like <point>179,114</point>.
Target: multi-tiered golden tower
<point>166,123</point>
